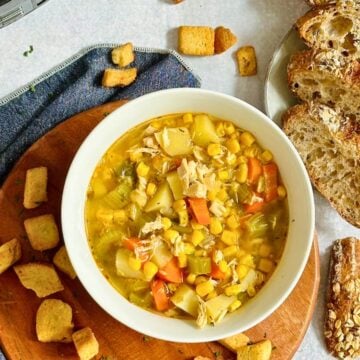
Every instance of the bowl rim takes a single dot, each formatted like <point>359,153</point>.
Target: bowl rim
<point>68,227</point>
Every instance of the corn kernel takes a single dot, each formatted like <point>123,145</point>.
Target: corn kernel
<point>241,252</point>
<point>265,265</point>
<point>232,222</point>
<point>197,237</point>
<point>200,279</point>
<point>281,191</point>
<point>134,263</point>
<point>182,260</point>
<point>204,288</point>
<point>211,195</point>
<point>215,226</point>
<point>247,260</point>
<point>189,248</point>
<point>265,250</point>
<point>241,160</point>
<point>233,146</point>
<point>179,205</point>
<point>223,175</point>
<point>170,235</point>
<point>222,195</point>
<point>150,270</point>
<point>229,237</point>
<point>233,290</point>
<point>187,118</point>
<point>241,174</point>
<point>242,271</point>
<point>251,291</point>
<point>190,279</point>
<point>212,295</point>
<point>200,252</point>
<point>235,305</point>
<point>230,251</point>
<point>219,128</point>
<point>142,169</point>
<point>267,156</point>
<point>183,218</point>
<point>166,223</point>
<point>229,128</point>
<point>214,149</point>
<point>150,189</point>
<point>135,156</point>
<point>223,266</point>
<point>195,225</point>
<point>247,139</point>
<point>120,216</point>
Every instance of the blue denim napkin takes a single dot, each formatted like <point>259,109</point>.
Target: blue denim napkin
<point>74,86</point>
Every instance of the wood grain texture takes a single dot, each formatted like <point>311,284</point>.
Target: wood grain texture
<point>286,327</point>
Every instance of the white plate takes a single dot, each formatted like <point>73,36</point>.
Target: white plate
<point>277,94</point>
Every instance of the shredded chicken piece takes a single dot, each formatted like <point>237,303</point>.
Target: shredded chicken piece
<point>147,246</point>
<point>150,130</point>
<point>178,246</point>
<point>232,264</point>
<point>149,142</point>
<point>196,189</point>
<point>152,226</point>
<point>218,256</point>
<point>217,208</point>
<point>199,153</point>
<point>201,320</point>
<point>152,152</point>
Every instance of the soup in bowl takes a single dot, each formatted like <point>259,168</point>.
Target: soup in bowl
<point>188,215</point>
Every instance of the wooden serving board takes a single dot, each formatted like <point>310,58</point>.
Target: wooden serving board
<point>286,327</point>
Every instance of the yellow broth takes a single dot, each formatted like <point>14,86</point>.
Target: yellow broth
<point>187,215</point>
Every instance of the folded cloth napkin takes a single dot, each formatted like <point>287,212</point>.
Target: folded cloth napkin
<point>75,86</point>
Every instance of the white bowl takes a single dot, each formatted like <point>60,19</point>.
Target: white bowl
<point>301,209</point>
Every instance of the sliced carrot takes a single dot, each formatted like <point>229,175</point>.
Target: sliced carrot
<point>158,289</point>
<point>254,170</point>
<point>171,272</point>
<point>132,243</point>
<point>216,273</point>
<point>200,210</point>
<point>271,181</point>
<point>254,207</point>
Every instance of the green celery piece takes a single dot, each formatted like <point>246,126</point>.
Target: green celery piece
<point>199,264</point>
<point>143,300</point>
<point>257,225</point>
<point>119,197</point>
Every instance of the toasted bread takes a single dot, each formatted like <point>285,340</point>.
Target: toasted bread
<point>35,191</point>
<point>118,77</point>
<point>10,253</point>
<point>224,39</point>
<point>85,343</point>
<point>329,145</point>
<point>196,40</point>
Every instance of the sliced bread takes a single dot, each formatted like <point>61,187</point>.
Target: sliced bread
<point>332,26</point>
<point>329,146</point>
<point>327,77</point>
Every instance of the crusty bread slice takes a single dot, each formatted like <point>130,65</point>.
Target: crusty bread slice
<point>327,77</point>
<point>332,26</point>
<point>329,146</point>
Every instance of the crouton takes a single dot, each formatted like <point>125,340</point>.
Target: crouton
<point>42,232</point>
<point>35,191</point>
<point>234,342</point>
<point>54,321</point>
<point>39,277</point>
<point>118,77</point>
<point>85,343</point>
<point>123,55</point>
<point>246,59</point>
<point>196,40</point>
<point>62,262</point>
<point>224,39</point>
<point>10,252</point>
<point>258,351</point>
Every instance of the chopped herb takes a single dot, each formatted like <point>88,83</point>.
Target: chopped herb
<point>146,338</point>
<point>180,351</point>
<point>32,88</point>
<point>217,354</point>
<point>27,52</point>
<point>274,348</point>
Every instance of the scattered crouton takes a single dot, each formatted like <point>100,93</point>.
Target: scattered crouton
<point>246,59</point>
<point>196,40</point>
<point>123,55</point>
<point>201,358</point>
<point>42,232</point>
<point>39,277</point>
<point>62,261</point>
<point>54,321</point>
<point>35,191</point>
<point>119,77</point>
<point>224,39</point>
<point>85,343</point>
<point>234,342</point>
<point>258,351</point>
<point>10,252</point>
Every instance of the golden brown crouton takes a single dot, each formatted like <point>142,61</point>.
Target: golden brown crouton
<point>62,261</point>
<point>123,55</point>
<point>258,351</point>
<point>246,58</point>
<point>39,277</point>
<point>196,40</point>
<point>85,343</point>
<point>35,187</point>
<point>119,77</point>
<point>235,342</point>
<point>42,232</point>
<point>10,252</point>
<point>54,321</point>
<point>224,39</point>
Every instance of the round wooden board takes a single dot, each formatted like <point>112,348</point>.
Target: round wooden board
<point>285,328</point>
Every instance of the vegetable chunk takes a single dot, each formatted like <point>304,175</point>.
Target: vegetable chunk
<point>203,131</point>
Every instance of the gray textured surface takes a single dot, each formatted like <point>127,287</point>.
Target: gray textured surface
<point>61,28</point>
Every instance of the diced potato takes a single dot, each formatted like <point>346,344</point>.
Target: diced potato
<point>185,298</point>
<point>174,141</point>
<point>234,342</point>
<point>35,187</point>
<point>54,321</point>
<point>217,305</point>
<point>203,131</point>
<point>161,255</point>
<point>175,185</point>
<point>10,252</point>
<point>259,351</point>
<point>162,200</point>
<point>62,261</point>
<point>85,343</point>
<point>122,265</point>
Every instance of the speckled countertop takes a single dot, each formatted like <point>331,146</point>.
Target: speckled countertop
<point>61,28</point>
